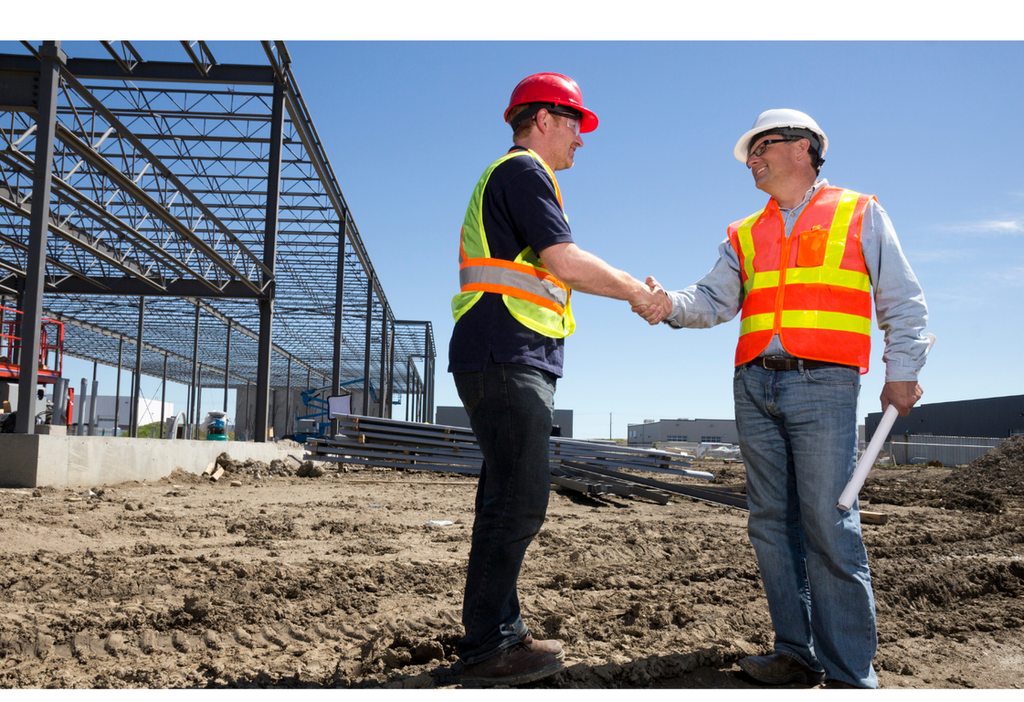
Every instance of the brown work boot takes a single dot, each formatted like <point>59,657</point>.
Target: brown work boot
<point>513,666</point>
<point>544,646</point>
<point>779,669</point>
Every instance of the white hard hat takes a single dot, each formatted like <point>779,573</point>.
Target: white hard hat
<point>779,119</point>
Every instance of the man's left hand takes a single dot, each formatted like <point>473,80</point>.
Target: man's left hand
<point>902,394</point>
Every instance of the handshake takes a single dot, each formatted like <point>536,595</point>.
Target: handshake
<point>653,304</point>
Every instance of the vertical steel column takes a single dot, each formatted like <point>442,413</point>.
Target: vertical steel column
<point>383,356</point>
<point>366,362</point>
<point>137,380</point>
<point>248,396</point>
<point>427,375</point>
<point>93,409</point>
<point>288,400</point>
<point>199,401</point>
<point>92,403</point>
<point>189,426</point>
<point>51,58</point>
<point>80,429</point>
<point>117,392</point>
<point>266,304</point>
<point>391,374</point>
<point>227,367</point>
<point>339,298</point>
<point>419,399</point>
<point>163,398</point>
<point>430,391</point>
<point>408,386</point>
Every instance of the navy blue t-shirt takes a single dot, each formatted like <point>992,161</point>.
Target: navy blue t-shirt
<point>520,209</point>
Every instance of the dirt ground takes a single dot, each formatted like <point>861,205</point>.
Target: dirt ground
<point>353,578</point>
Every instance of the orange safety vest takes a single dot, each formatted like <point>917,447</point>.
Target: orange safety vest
<point>812,289</point>
<point>533,296</point>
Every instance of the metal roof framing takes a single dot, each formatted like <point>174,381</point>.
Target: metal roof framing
<point>171,187</point>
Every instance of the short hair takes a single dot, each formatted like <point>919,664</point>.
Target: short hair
<point>524,127</point>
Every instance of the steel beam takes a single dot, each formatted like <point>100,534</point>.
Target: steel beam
<point>163,398</point>
<point>366,358</point>
<point>189,430</point>
<point>160,71</point>
<point>382,388</point>
<point>269,262</point>
<point>50,60</point>
<point>117,392</point>
<point>339,300</point>
<point>391,374</point>
<point>137,380</point>
<point>227,366</point>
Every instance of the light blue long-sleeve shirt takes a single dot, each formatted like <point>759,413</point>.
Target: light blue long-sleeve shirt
<point>899,301</point>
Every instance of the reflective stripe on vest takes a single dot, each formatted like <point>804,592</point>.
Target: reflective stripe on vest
<point>532,295</point>
<point>812,288</point>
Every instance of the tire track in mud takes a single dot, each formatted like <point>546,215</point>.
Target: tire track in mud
<point>299,584</point>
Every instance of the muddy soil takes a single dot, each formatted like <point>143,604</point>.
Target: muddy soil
<point>353,578</point>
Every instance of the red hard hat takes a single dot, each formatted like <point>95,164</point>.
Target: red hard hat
<point>554,88</point>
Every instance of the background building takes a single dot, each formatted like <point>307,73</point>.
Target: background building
<point>718,431</point>
<point>997,417</point>
<point>952,433</point>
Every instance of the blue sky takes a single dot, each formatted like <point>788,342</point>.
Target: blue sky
<point>932,128</point>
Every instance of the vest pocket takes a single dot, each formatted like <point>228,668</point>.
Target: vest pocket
<point>811,248</point>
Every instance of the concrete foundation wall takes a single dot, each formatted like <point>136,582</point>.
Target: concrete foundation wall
<point>35,460</point>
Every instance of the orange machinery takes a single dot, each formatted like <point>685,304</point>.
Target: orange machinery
<point>51,351</point>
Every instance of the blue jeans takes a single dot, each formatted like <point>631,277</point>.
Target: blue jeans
<point>798,434</point>
<point>510,408</point>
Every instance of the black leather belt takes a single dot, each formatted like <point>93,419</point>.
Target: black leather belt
<point>786,363</point>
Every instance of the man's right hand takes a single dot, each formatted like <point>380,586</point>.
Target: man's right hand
<point>655,305</point>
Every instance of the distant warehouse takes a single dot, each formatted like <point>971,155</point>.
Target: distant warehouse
<point>952,433</point>
<point>717,431</point>
<point>996,417</point>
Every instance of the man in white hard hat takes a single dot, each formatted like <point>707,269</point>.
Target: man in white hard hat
<point>804,271</point>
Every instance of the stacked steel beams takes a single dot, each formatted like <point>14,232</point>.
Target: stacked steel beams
<point>588,467</point>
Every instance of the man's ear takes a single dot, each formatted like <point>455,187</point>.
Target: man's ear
<point>544,121</point>
<point>805,149</point>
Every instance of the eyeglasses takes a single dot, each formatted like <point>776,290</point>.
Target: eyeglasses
<point>763,146</point>
<point>572,120</point>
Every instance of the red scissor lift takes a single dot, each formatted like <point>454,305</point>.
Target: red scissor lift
<point>51,351</point>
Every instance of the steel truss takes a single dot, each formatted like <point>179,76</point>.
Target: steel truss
<point>177,187</point>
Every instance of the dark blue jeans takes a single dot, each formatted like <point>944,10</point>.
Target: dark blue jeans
<point>510,409</point>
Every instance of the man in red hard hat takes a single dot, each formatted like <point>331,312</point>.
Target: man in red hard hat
<point>803,273</point>
<point>518,268</point>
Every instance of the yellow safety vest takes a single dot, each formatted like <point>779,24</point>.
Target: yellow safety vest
<point>534,297</point>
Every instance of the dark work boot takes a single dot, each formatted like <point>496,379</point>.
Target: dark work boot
<point>544,646</point>
<point>779,669</point>
<point>513,666</point>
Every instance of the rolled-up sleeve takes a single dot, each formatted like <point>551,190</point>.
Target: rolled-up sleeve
<point>899,301</point>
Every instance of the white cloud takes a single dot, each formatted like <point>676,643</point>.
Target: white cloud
<point>989,226</point>
<point>1013,277</point>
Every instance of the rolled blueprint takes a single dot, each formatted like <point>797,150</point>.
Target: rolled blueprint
<point>860,474</point>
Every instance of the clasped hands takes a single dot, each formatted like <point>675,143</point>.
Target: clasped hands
<point>653,304</point>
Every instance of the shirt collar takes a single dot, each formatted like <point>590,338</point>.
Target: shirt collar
<point>818,185</point>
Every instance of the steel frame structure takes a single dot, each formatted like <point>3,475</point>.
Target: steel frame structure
<point>191,220</point>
